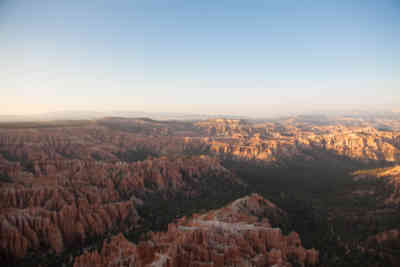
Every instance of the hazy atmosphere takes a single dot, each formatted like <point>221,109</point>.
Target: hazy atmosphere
<point>233,57</point>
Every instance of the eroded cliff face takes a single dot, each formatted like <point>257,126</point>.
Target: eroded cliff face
<point>266,142</point>
<point>61,187</point>
<point>64,203</point>
<point>92,142</point>
<point>235,235</point>
<point>273,142</point>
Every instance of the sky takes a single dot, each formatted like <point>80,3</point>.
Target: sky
<point>211,56</point>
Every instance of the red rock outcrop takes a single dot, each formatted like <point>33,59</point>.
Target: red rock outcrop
<point>272,142</point>
<point>236,235</point>
<point>40,229</point>
<point>268,142</point>
<point>92,142</point>
<point>61,186</point>
<point>67,202</point>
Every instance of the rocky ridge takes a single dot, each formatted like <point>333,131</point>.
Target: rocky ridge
<point>235,235</point>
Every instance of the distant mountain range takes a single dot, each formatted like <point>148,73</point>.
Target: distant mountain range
<point>88,115</point>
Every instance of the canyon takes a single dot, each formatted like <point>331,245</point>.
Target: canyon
<point>194,193</point>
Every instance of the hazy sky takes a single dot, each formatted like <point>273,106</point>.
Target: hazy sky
<point>208,56</point>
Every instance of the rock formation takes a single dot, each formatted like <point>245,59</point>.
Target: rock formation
<point>272,142</point>
<point>64,203</point>
<point>63,186</point>
<point>235,235</point>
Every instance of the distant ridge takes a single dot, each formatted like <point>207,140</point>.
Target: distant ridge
<point>91,115</point>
